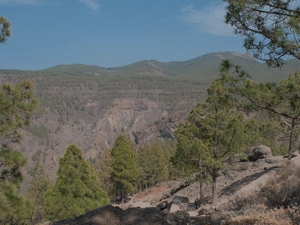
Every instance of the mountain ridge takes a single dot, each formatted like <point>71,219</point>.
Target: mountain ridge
<point>204,67</point>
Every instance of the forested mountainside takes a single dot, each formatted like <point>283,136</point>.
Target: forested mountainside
<point>89,106</point>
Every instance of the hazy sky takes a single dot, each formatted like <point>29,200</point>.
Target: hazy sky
<point>111,33</point>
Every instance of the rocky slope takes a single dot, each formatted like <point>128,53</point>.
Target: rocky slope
<point>177,202</point>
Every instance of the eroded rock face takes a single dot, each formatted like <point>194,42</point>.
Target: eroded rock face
<point>114,215</point>
<point>258,152</point>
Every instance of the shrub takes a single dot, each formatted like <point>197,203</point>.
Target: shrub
<point>284,189</point>
<point>261,216</point>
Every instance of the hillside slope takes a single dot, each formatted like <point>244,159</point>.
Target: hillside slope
<point>90,106</point>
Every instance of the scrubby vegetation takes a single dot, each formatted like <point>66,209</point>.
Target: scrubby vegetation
<point>275,203</point>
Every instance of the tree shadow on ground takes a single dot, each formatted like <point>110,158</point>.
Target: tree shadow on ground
<point>237,185</point>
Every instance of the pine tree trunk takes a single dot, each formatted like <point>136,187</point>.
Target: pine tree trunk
<point>201,197</point>
<point>291,140</point>
<point>122,194</point>
<point>201,192</point>
<point>214,187</point>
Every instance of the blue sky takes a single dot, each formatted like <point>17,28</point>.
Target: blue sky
<point>111,33</point>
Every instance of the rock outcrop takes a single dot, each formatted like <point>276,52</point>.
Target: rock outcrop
<point>114,215</point>
<point>258,152</point>
<point>170,191</point>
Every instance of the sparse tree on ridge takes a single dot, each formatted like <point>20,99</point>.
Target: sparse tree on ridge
<point>271,27</point>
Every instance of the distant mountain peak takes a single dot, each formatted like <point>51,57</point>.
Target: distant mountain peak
<point>247,55</point>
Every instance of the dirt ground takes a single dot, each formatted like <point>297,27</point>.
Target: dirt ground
<point>244,178</point>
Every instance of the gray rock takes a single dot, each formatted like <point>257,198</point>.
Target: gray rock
<point>162,205</point>
<point>110,215</point>
<point>258,152</point>
<point>275,159</point>
<point>177,186</point>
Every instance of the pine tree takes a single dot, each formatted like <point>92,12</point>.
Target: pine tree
<point>271,28</point>
<point>39,184</point>
<point>153,163</point>
<point>76,190</point>
<point>14,208</point>
<point>124,172</point>
<point>144,178</point>
<point>105,172</point>
<point>278,100</point>
<point>211,134</point>
<point>17,103</point>
<point>4,29</point>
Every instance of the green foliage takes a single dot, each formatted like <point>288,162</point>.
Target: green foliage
<point>189,150</point>
<point>271,28</point>
<point>4,29</point>
<point>39,184</point>
<point>124,172</point>
<point>14,208</point>
<point>153,164</point>
<point>280,101</point>
<point>17,103</point>
<point>212,133</point>
<point>12,161</point>
<point>105,172</point>
<point>39,130</point>
<point>76,190</point>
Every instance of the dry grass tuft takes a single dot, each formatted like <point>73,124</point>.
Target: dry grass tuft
<point>260,215</point>
<point>277,203</point>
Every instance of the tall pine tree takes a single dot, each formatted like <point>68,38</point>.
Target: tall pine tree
<point>212,133</point>
<point>76,190</point>
<point>124,172</point>
<point>105,172</point>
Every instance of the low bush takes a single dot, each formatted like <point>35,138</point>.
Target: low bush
<point>284,189</point>
<point>260,215</point>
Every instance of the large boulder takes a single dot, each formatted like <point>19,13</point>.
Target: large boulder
<point>113,215</point>
<point>258,152</point>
